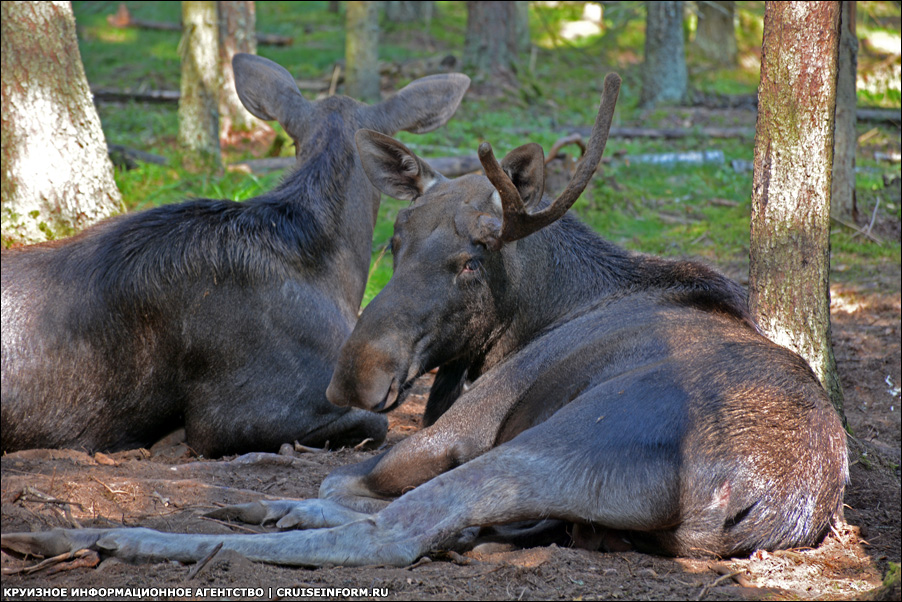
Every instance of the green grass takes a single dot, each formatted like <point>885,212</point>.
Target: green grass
<point>674,211</point>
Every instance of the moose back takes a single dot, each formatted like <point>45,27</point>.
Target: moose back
<point>225,317</point>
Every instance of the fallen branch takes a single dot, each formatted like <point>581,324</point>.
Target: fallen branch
<point>450,167</point>
<point>49,562</point>
<point>123,156</point>
<point>173,96</point>
<point>856,229</point>
<point>30,494</point>
<point>879,115</point>
<point>230,525</point>
<point>251,459</point>
<point>717,582</point>
<point>299,447</point>
<point>197,568</point>
<point>673,133</point>
<point>151,96</point>
<point>562,142</point>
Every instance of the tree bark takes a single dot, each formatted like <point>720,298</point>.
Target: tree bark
<point>406,11</point>
<point>362,51</point>
<point>664,75</point>
<point>521,27</point>
<point>842,200</point>
<point>494,39</point>
<point>715,36</point>
<point>237,24</point>
<point>789,287</point>
<point>57,177</point>
<point>200,85</point>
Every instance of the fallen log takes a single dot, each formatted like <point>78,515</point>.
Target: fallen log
<point>151,96</point>
<point>450,167</point>
<point>123,19</point>
<point>673,133</point>
<point>128,158</point>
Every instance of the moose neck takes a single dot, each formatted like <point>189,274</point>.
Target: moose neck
<point>331,194</point>
<point>556,272</point>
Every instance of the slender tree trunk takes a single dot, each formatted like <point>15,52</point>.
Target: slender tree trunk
<point>407,11</point>
<point>789,288</point>
<point>494,39</point>
<point>715,36</point>
<point>362,51</point>
<point>57,177</point>
<point>521,27</point>
<point>842,200</point>
<point>664,75</point>
<point>237,33</point>
<point>201,82</point>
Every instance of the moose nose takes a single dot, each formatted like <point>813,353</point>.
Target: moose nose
<point>364,378</point>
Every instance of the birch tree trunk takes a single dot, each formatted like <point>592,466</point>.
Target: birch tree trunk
<point>496,35</point>
<point>664,75</point>
<point>57,177</point>
<point>789,287</point>
<point>237,33</point>
<point>407,11</point>
<point>200,85</point>
<point>842,200</point>
<point>362,51</point>
<point>715,36</point>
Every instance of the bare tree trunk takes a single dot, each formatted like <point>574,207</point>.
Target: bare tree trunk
<point>842,200</point>
<point>789,287</point>
<point>362,51</point>
<point>237,25</point>
<point>664,75</point>
<point>715,36</point>
<point>521,27</point>
<point>57,177</point>
<point>494,39</point>
<point>407,11</point>
<point>201,82</point>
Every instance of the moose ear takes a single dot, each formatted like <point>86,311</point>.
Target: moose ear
<point>525,166</point>
<point>269,92</point>
<point>392,167</point>
<point>421,106</point>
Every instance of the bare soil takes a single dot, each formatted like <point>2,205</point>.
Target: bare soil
<point>167,488</point>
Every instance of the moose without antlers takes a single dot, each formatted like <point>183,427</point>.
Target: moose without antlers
<point>225,317</point>
<point>628,395</point>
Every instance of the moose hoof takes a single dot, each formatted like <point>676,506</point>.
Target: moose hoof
<point>51,543</point>
<point>289,514</point>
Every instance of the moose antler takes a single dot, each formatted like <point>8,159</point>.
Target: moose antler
<point>516,222</point>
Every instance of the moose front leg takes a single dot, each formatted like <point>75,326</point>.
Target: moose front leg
<point>468,429</point>
<point>353,544</point>
<point>351,493</point>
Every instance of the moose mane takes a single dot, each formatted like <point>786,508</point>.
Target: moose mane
<point>281,232</point>
<point>597,266</point>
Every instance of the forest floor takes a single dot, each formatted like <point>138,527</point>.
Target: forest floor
<point>168,489</point>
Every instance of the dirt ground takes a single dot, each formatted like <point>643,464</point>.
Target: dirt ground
<point>168,489</point>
